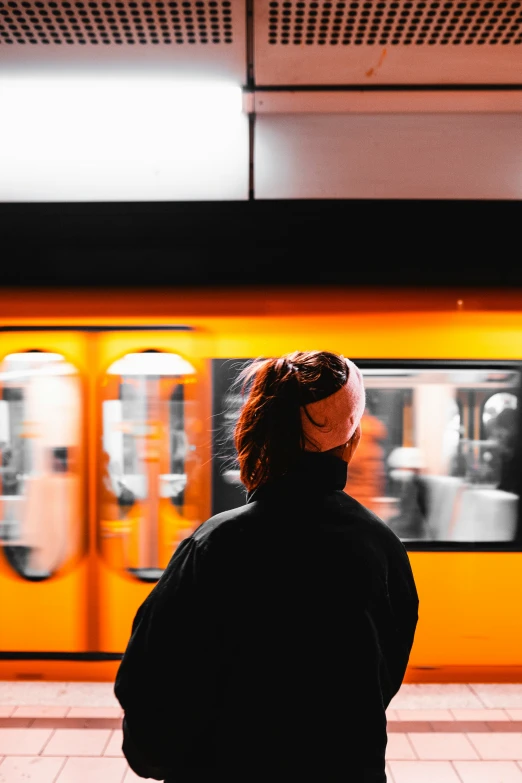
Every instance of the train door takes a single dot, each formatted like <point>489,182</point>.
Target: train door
<point>153,458</point>
<point>43,524</point>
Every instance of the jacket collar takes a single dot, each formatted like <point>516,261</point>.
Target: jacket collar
<point>315,472</point>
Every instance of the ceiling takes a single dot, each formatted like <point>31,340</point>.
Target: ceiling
<point>274,43</point>
<point>342,95</point>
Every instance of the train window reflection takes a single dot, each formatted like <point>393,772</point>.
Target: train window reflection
<point>436,459</point>
<point>149,411</point>
<point>40,430</point>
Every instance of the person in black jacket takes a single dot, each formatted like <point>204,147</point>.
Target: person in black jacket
<point>280,630</point>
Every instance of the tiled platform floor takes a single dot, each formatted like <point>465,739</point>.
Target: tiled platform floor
<point>70,733</point>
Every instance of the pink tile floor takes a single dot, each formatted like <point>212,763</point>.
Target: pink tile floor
<point>53,732</point>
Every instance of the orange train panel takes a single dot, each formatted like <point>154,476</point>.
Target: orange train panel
<point>48,614</point>
<point>470,628</point>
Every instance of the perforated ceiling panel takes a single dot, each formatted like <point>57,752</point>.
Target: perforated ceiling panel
<point>333,42</point>
<point>205,35</point>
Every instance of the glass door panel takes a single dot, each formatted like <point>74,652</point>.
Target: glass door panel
<point>148,415</point>
<point>40,433</point>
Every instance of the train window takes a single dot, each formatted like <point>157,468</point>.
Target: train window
<point>148,408</point>
<point>427,465</point>
<point>436,460</point>
<point>40,433</point>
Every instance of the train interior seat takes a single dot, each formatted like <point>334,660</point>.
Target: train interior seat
<point>459,511</point>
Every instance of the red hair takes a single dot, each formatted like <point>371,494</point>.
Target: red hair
<point>268,435</point>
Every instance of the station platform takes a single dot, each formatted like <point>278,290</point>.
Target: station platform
<point>59,732</point>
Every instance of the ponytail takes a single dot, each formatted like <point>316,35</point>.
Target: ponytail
<point>268,433</point>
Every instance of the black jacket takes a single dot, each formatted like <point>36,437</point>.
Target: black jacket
<point>273,642</point>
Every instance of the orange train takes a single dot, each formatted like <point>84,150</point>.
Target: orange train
<point>116,414</point>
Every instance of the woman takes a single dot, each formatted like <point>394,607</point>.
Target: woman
<point>280,630</point>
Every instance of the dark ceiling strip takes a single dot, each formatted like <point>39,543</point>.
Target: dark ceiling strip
<point>250,85</point>
<point>388,88</point>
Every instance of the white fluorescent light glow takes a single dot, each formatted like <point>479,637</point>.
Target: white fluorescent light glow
<point>151,364</point>
<point>123,138</point>
<point>19,366</point>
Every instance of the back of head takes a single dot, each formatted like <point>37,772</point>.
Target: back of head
<point>302,401</point>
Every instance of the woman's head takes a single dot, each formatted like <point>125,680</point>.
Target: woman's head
<point>303,401</point>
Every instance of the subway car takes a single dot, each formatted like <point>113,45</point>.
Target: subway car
<point>116,442</point>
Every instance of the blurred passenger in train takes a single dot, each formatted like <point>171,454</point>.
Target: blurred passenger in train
<point>179,450</point>
<point>114,490</point>
<point>280,630</point>
<point>503,431</point>
<point>367,474</point>
<point>9,475</point>
<point>9,485</point>
<point>406,471</point>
